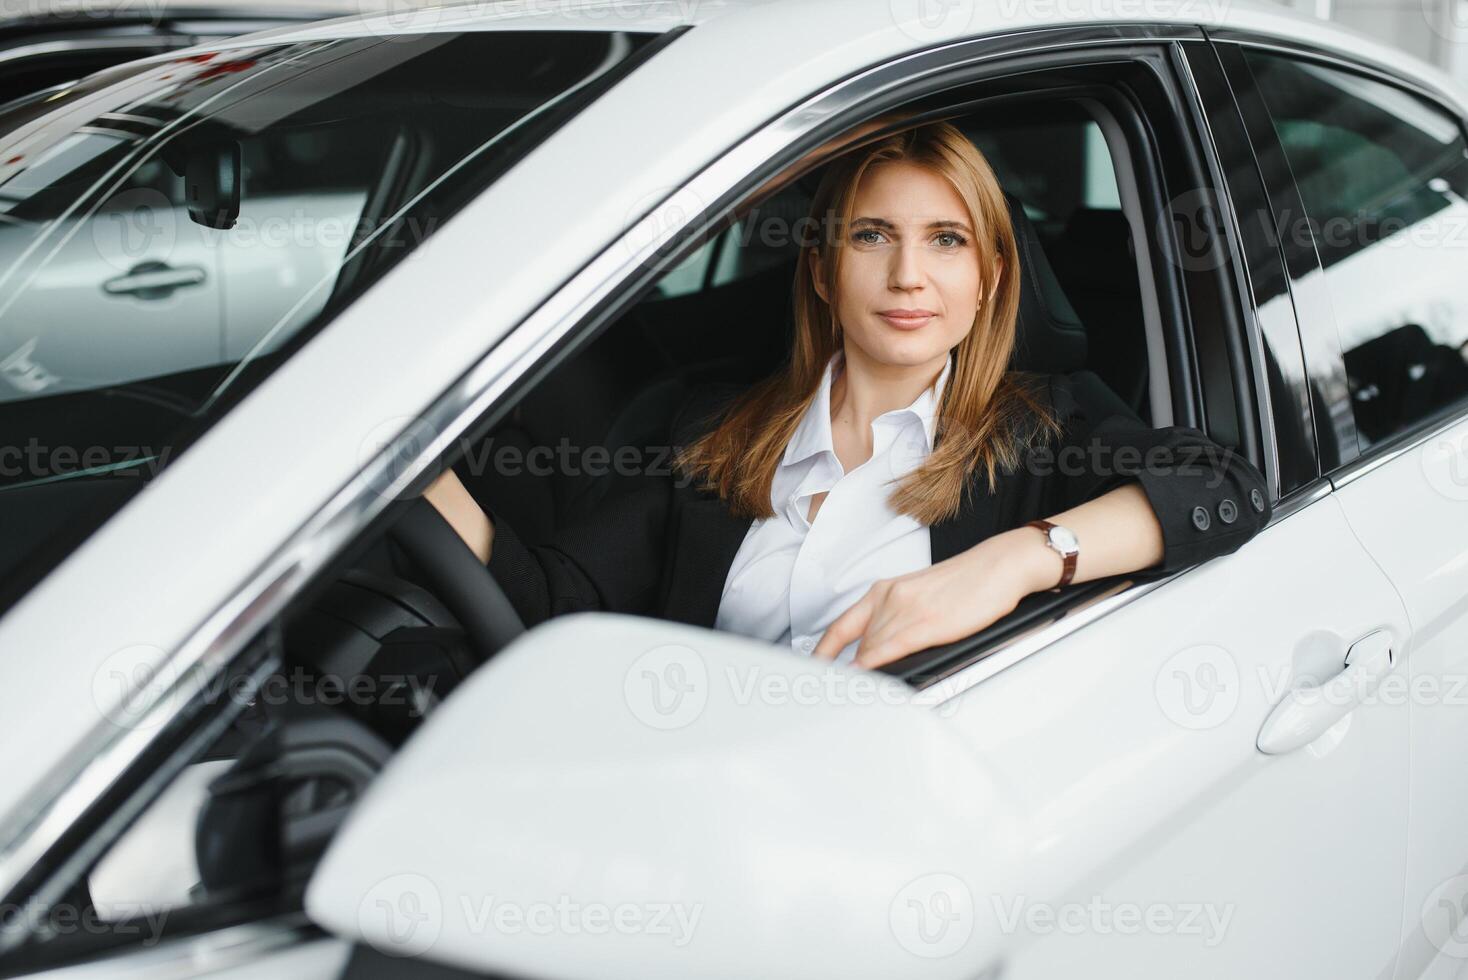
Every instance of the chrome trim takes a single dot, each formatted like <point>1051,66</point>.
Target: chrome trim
<point>220,949</point>
<point>1080,614</point>
<point>1031,641</point>
<point>1301,497</point>
<point>1397,446</point>
<point>36,826</point>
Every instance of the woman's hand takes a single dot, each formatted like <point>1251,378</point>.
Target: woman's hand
<point>944,602</point>
<point>452,499</point>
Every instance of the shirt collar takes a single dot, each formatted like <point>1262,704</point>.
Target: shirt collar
<point>813,431</point>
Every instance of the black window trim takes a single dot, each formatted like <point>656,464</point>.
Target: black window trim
<point>1241,194</point>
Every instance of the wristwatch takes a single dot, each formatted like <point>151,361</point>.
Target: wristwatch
<point>1064,541</point>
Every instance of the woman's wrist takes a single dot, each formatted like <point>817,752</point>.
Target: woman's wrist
<point>1034,566</point>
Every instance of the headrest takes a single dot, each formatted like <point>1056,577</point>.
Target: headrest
<point>1049,337</point>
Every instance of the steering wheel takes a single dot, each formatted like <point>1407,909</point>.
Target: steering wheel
<point>459,579</point>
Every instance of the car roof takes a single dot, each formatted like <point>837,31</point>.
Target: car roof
<point>901,24</point>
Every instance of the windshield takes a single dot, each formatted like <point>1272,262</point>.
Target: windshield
<point>171,230</point>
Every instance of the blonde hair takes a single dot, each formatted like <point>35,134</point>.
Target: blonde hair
<point>982,415</point>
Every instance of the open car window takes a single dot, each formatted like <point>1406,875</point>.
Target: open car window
<point>722,313</point>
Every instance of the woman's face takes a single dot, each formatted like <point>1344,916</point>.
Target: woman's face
<point>910,248</point>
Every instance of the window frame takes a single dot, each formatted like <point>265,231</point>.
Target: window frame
<point>1314,310</point>
<point>942,672</point>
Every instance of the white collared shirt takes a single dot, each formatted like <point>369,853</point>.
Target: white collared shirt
<point>791,578</point>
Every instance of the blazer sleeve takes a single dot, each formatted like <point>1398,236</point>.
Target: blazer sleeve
<point>611,559</point>
<point>1209,499</point>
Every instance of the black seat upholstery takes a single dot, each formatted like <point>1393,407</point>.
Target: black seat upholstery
<point>1095,257</point>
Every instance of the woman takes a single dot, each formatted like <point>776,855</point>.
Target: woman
<point>837,506</point>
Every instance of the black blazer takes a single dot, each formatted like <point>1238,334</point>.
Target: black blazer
<point>664,548</point>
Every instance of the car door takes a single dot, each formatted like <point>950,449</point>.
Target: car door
<point>1381,171</point>
<point>1164,840</point>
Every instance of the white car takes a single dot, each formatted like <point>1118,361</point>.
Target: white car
<point>246,729</point>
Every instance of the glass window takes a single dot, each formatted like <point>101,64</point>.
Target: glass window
<point>170,231</point>
<point>1382,174</point>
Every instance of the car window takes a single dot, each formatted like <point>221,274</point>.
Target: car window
<point>1382,174</point>
<point>170,232</point>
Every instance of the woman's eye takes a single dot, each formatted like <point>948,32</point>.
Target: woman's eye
<point>957,240</point>
<point>866,231</point>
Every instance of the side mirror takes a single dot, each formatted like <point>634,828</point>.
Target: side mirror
<point>621,796</point>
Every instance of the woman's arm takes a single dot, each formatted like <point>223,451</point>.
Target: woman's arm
<point>1131,493</point>
<point>452,499</point>
<point>608,559</point>
<point>1118,533</point>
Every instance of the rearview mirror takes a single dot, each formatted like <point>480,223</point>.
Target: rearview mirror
<point>616,796</point>
<point>212,172</point>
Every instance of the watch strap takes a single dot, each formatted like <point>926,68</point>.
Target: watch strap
<point>1068,561</point>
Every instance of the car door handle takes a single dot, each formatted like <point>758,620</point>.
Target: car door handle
<point>154,280</point>
<point>1307,712</point>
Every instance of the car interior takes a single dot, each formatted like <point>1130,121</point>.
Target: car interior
<point>725,315</point>
<point>407,609</point>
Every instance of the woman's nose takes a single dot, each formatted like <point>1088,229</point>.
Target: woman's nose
<point>906,271</point>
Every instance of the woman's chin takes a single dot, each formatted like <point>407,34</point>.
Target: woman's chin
<point>907,349</point>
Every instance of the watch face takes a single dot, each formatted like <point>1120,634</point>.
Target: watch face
<point>1064,539</point>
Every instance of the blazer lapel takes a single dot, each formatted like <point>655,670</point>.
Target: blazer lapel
<point>705,540</point>
<point>706,537</point>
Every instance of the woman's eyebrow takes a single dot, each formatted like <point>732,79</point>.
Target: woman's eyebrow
<point>886,225</point>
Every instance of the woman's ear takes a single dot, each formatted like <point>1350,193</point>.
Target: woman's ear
<point>818,276</point>
<point>998,271</point>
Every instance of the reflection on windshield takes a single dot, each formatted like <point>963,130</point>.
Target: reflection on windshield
<point>172,230</point>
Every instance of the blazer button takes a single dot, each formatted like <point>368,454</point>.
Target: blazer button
<point>1256,499</point>
<point>1228,511</point>
<point>1200,518</point>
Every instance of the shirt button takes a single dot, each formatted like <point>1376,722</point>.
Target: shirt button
<point>1201,519</point>
<point>1256,499</point>
<point>808,643</point>
<point>1228,511</point>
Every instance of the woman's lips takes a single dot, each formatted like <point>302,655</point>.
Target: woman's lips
<point>907,321</point>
